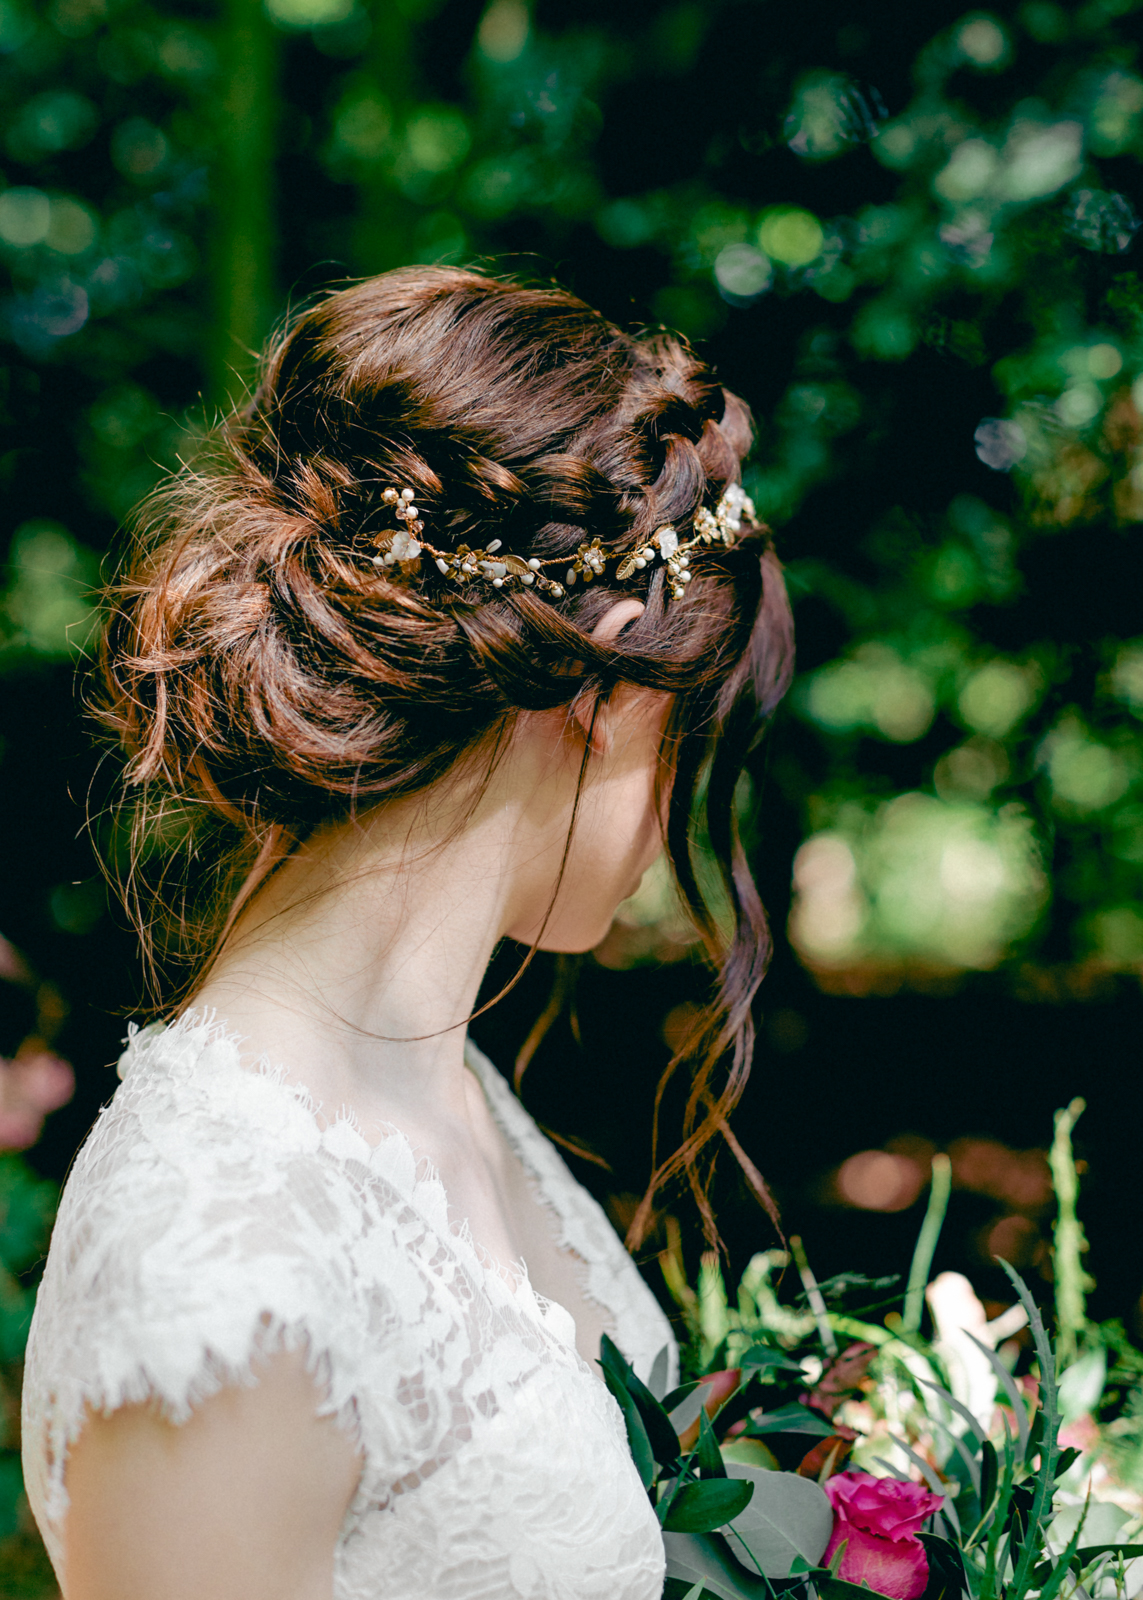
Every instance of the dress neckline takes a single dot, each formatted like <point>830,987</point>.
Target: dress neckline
<point>218,1049</point>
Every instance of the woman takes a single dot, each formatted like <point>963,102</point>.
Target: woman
<point>441,635</point>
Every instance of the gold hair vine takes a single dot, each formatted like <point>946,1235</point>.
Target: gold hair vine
<point>501,569</point>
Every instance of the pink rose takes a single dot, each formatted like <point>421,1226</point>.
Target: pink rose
<point>877,1519</point>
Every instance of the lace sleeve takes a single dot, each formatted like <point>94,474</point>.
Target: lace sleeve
<point>193,1233</point>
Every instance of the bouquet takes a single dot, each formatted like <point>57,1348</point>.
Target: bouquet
<point>819,1453</point>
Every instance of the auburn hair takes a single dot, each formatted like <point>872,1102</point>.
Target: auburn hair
<point>264,677</point>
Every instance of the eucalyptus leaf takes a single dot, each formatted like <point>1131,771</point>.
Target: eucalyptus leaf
<point>787,1517</point>
<point>704,1558</point>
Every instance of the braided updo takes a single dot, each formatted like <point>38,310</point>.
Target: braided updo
<point>264,676</point>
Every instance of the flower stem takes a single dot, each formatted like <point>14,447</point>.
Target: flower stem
<point>927,1244</point>
<point>813,1296</point>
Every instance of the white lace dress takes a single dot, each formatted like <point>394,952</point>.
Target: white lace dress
<point>211,1214</point>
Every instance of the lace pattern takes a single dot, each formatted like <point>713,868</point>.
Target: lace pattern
<point>211,1215</point>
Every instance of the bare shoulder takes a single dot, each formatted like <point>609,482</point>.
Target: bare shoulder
<point>242,1502</point>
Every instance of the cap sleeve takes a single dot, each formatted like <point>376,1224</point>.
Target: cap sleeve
<point>196,1230</point>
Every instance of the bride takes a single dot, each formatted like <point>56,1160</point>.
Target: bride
<point>443,637</point>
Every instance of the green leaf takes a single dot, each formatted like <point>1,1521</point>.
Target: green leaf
<point>970,1465</point>
<point>1088,1552</point>
<point>703,1507</point>
<point>1052,1587</point>
<point>1041,1509</point>
<point>838,1589</point>
<point>997,1521</point>
<point>800,1567</point>
<point>704,1558</point>
<point>961,1410</point>
<point>989,1474</point>
<point>662,1439</point>
<point>1049,1393</point>
<point>1015,1398</point>
<point>637,1440</point>
<point>612,1359</point>
<point>946,1561</point>
<point>709,1459</point>
<point>1019,1519</point>
<point>791,1419</point>
<point>787,1517</point>
<point>1067,1458</point>
<point>763,1355</point>
<point>677,1396</point>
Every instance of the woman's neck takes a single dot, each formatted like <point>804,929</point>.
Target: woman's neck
<point>357,964</point>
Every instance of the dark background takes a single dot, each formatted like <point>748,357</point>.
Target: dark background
<point>233,160</point>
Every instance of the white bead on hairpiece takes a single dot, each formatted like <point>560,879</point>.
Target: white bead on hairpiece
<point>494,565</point>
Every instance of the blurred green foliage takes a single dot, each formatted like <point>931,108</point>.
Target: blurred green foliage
<point>911,241</point>
<point>27,1205</point>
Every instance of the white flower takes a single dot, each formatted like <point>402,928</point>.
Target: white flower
<point>957,1312</point>
<point>731,507</point>
<point>403,546</point>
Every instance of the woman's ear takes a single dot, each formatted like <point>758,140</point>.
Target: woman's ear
<point>612,623</point>
<point>591,713</point>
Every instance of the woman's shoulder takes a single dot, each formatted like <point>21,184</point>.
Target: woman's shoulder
<point>198,1144</point>
<point>199,1121</point>
<point>214,1217</point>
<point>211,1211</point>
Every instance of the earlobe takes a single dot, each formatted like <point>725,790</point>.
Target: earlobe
<point>592,713</point>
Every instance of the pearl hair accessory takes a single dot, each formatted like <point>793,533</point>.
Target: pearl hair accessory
<point>492,564</point>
